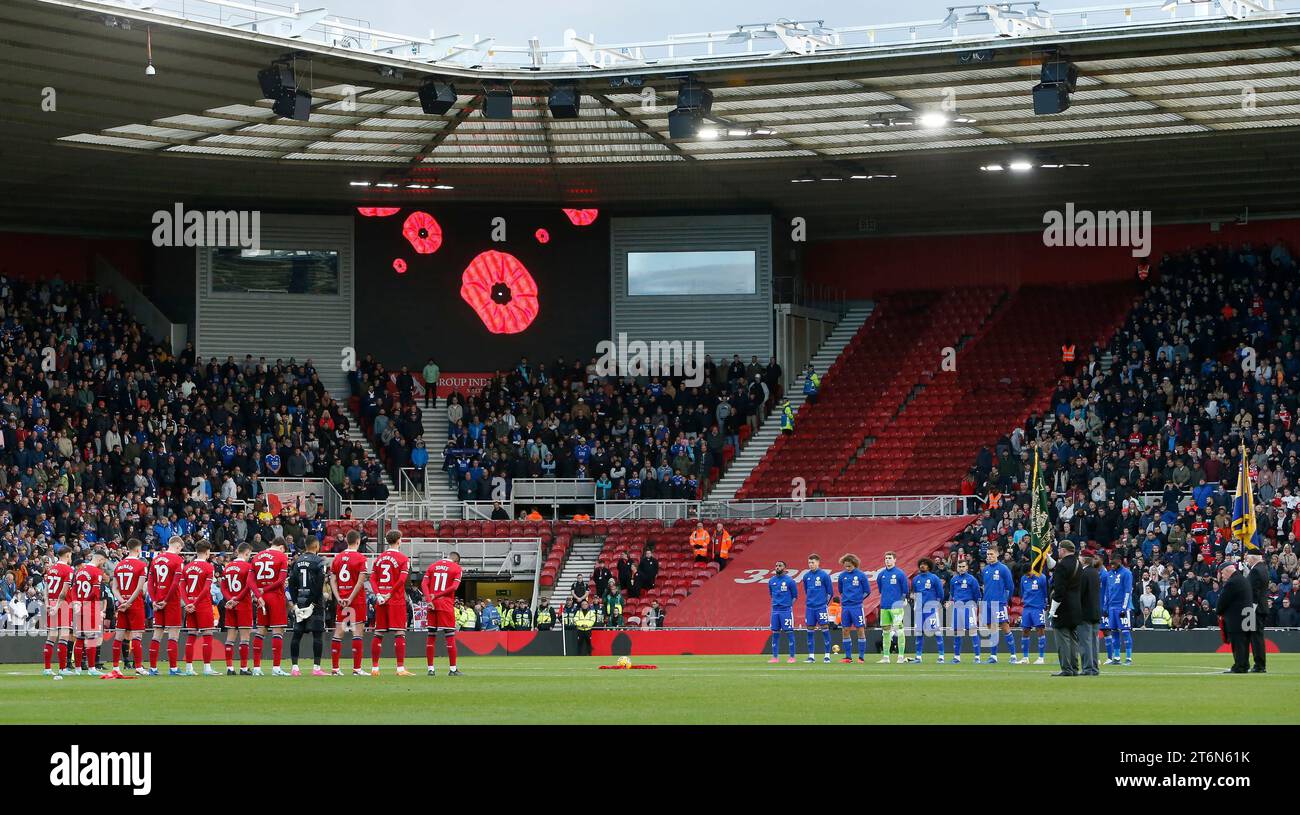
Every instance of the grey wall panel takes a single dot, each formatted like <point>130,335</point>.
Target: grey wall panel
<point>280,326</point>
<point>726,324</point>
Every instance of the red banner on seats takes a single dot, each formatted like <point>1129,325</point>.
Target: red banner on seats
<point>470,384</point>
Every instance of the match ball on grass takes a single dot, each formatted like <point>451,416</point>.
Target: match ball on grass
<point>835,649</point>
<point>625,662</point>
<point>57,677</point>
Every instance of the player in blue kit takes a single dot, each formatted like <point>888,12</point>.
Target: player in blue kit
<point>997,580</point>
<point>964,595</point>
<point>1033,591</point>
<point>891,582</point>
<point>927,598</point>
<point>816,597</point>
<point>783,590</point>
<point>1118,597</point>
<point>1104,628</point>
<point>854,587</point>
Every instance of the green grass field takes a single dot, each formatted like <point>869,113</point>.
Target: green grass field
<point>1158,689</point>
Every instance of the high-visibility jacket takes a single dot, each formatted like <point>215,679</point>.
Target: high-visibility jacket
<point>582,516</point>
<point>1067,353</point>
<point>545,619</point>
<point>787,416</point>
<point>833,611</point>
<point>534,516</point>
<point>1160,616</point>
<point>700,542</point>
<point>724,545</point>
<point>995,499</point>
<point>812,384</point>
<point>585,620</point>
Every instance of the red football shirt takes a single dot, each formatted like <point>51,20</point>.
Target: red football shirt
<point>270,568</point>
<point>57,580</point>
<point>440,583</point>
<point>348,566</point>
<point>237,582</point>
<point>164,576</point>
<point>389,574</point>
<point>86,582</point>
<point>128,576</point>
<point>196,583</point>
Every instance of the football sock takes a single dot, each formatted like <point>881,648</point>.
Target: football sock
<point>1024,643</point>
<point>429,645</point>
<point>1112,645</point>
<point>230,655</point>
<point>243,655</point>
<point>920,645</point>
<point>792,649</point>
<point>336,652</point>
<point>846,645</point>
<point>63,654</point>
<point>190,642</point>
<point>173,652</point>
<point>399,649</point>
<point>975,643</point>
<point>293,647</point>
<point>48,653</point>
<point>776,644</point>
<point>257,650</point>
<point>810,642</point>
<point>1128,644</point>
<point>153,653</point>
<point>79,653</point>
<point>376,648</point>
<point>117,653</point>
<point>956,646</point>
<point>862,645</point>
<point>451,648</point>
<point>317,645</point>
<point>938,643</point>
<point>357,645</point>
<point>277,648</point>
<point>207,650</point>
<point>1042,646</point>
<point>826,641</point>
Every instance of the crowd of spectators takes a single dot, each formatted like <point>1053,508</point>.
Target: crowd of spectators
<point>1142,456</point>
<point>636,438</point>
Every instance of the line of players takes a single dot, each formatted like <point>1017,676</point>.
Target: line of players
<point>977,604</point>
<point>256,604</point>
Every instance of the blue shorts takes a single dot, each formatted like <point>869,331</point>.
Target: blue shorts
<point>997,613</point>
<point>1033,618</point>
<point>814,616</point>
<point>931,623</point>
<point>1117,619</point>
<point>783,619</point>
<point>852,617</point>
<point>965,618</point>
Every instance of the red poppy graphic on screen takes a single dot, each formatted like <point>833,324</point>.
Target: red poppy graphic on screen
<point>378,212</point>
<point>501,291</point>
<point>399,265</point>
<point>582,217</point>
<point>542,236</point>
<point>422,232</point>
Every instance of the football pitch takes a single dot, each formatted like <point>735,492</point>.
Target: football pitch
<point>1157,689</point>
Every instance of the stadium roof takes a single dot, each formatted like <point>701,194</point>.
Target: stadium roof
<point>1190,115</point>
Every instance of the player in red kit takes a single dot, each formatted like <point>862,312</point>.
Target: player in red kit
<point>240,590</point>
<point>440,584</point>
<point>88,610</point>
<point>347,581</point>
<point>270,571</point>
<point>388,579</point>
<point>129,577</point>
<point>168,610</point>
<point>196,595</point>
<point>58,611</point>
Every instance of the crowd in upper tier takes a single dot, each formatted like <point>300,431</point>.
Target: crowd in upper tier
<point>1143,446</point>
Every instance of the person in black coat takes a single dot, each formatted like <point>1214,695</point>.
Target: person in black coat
<point>1258,578</point>
<point>1090,605</point>
<point>1067,611</point>
<point>1235,604</point>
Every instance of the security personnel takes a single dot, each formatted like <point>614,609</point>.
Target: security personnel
<point>812,383</point>
<point>545,618</point>
<point>521,617</point>
<point>995,498</point>
<point>700,543</point>
<point>1067,352</point>
<point>469,618</point>
<point>787,417</point>
<point>584,619</point>
<point>722,539</point>
<point>508,617</point>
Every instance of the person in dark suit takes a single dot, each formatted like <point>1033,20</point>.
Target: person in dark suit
<point>1067,612</point>
<point>1235,604</point>
<point>1090,605</point>
<point>1258,578</point>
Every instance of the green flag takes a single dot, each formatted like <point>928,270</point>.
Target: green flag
<point>1041,534</point>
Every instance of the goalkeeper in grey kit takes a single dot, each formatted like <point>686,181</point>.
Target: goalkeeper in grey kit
<point>307,588</point>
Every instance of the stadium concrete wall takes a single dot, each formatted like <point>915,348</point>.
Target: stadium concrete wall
<point>638,643</point>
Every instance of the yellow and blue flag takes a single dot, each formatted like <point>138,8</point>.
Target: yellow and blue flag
<point>1243,507</point>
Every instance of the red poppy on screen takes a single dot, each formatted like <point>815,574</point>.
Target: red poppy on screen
<point>422,232</point>
<point>378,212</point>
<point>582,217</point>
<point>542,236</point>
<point>501,291</point>
<point>399,265</point>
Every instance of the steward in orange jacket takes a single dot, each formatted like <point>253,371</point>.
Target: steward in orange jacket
<point>722,540</point>
<point>700,543</point>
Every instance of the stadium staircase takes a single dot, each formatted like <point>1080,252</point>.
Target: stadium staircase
<point>436,487</point>
<point>355,433</point>
<point>768,435</point>
<point>1006,372</point>
<point>884,367</point>
<point>581,561</point>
